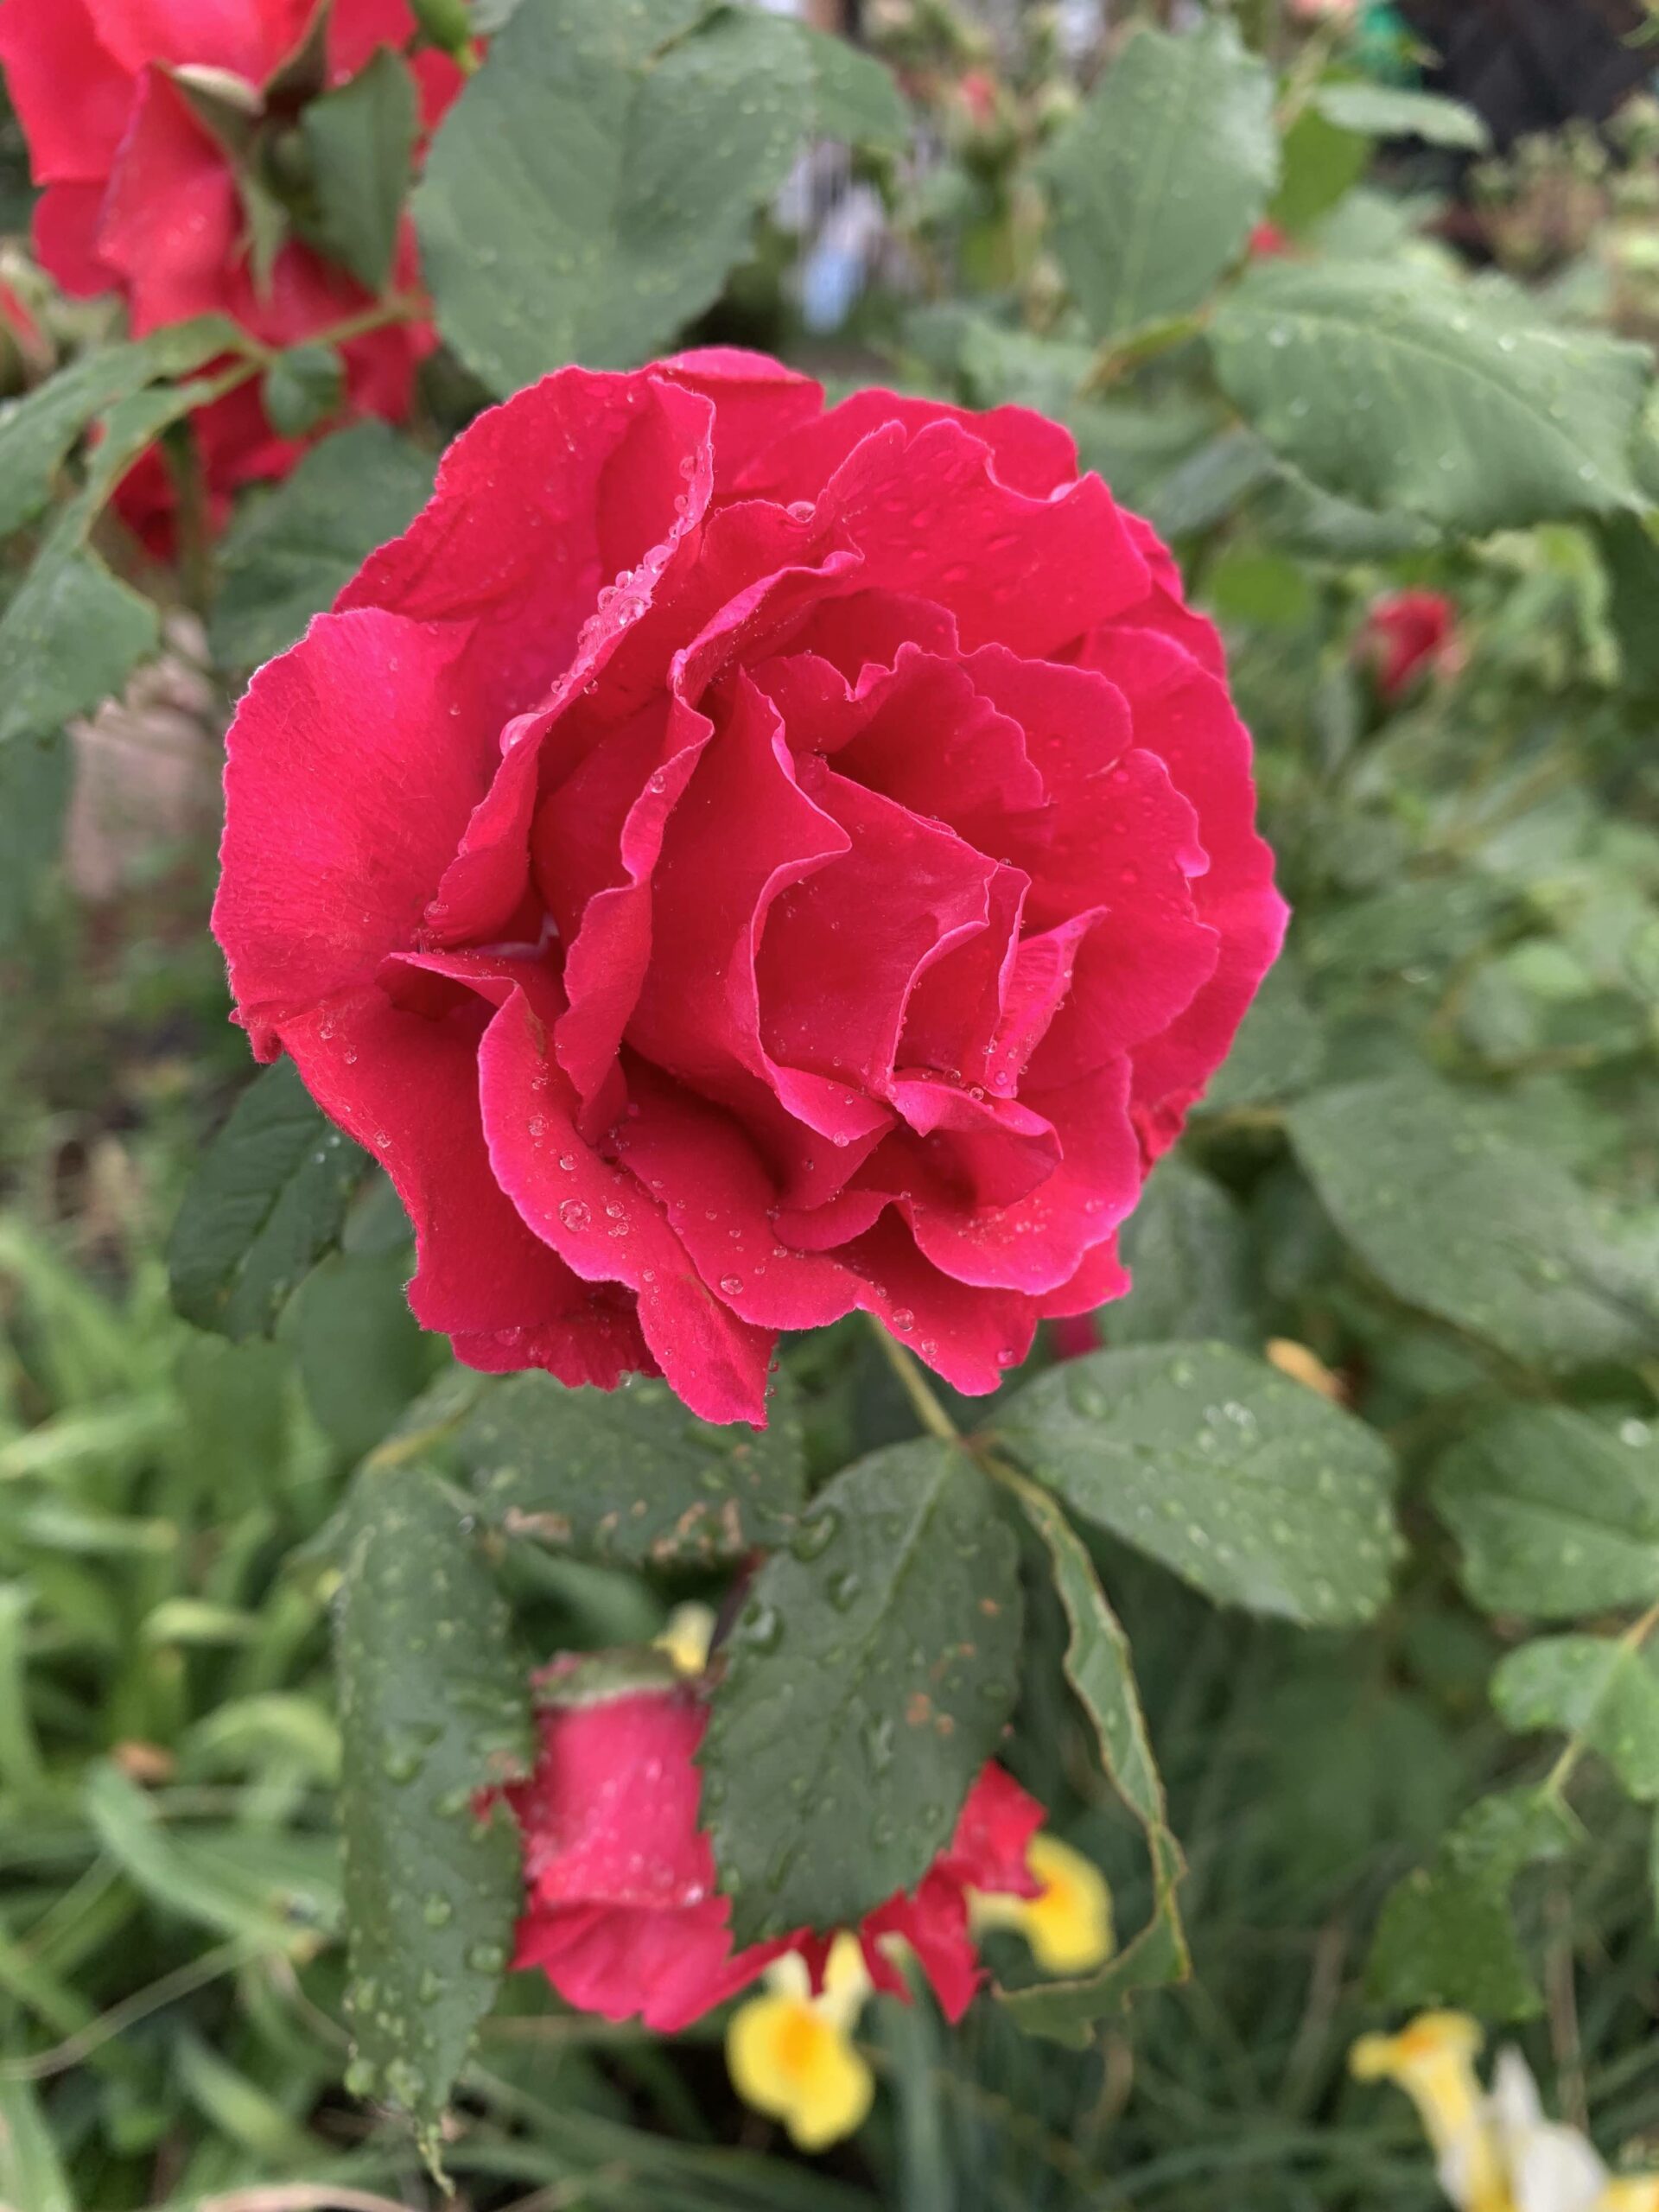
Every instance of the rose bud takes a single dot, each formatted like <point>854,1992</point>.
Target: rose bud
<point>1407,636</point>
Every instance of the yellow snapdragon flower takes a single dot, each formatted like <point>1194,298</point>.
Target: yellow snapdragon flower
<point>1495,2151</point>
<point>1068,1924</point>
<point>791,2054</point>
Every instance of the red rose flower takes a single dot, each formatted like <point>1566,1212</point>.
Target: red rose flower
<point>621,1912</point>
<point>736,863</point>
<point>141,198</point>
<point>1407,635</point>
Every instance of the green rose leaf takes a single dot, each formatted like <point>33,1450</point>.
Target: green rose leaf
<point>867,1682</point>
<point>1453,1215</point>
<point>287,555</point>
<point>1462,404</point>
<point>1391,111</point>
<point>1446,1934</point>
<point>1252,1488</point>
<point>1603,1691</point>
<point>1157,181</point>
<point>433,1706</point>
<point>36,774</point>
<point>361,1357</point>
<point>302,388</point>
<point>854,97</point>
<point>361,138</point>
<point>1278,1052</point>
<point>1186,1249</point>
<point>72,633</point>
<point>70,637</point>
<point>1557,1515</point>
<point>37,431</point>
<point>268,1200</point>
<point>1099,1666</point>
<point>631,1478</point>
<point>589,190</point>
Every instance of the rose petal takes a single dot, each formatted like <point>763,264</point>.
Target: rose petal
<point>65,232</point>
<point>971,1337</point>
<point>620,1962</point>
<point>1037,1243</point>
<point>992,1835</point>
<point>844,948</point>
<point>248,41</point>
<point>171,219</point>
<point>931,518</point>
<point>699,1014</point>
<point>610,1814</point>
<point>406,1088</point>
<point>1032,454</point>
<point>1100,1276</point>
<point>1185,711</point>
<point>73,95</point>
<point>539,504</point>
<point>703,1167</point>
<point>607,1228</point>
<point>756,401</point>
<point>352,767</point>
<point>934,1924</point>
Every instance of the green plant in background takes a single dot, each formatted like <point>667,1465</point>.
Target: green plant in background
<point>1369,1459</point>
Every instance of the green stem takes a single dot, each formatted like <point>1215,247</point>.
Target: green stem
<point>904,1364</point>
<point>936,1421</point>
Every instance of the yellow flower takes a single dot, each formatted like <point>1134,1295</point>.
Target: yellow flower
<point>1497,2152</point>
<point>1433,2060</point>
<point>686,1638</point>
<point>791,2054</point>
<point>1068,1924</point>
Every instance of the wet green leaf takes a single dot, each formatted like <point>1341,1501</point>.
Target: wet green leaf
<point>1253,1488</point>
<point>1186,1248</point>
<point>1439,1200</point>
<point>1100,1670</point>
<point>867,1682</point>
<point>288,553</point>
<point>1461,403</point>
<point>1157,181</point>
<point>302,388</point>
<point>433,1706</point>
<point>631,1478</point>
<point>1557,1514</point>
<point>1392,112</point>
<point>37,431</point>
<point>589,190</point>
<point>1446,1934</point>
<point>268,1199</point>
<point>1603,1690</point>
<point>360,137</point>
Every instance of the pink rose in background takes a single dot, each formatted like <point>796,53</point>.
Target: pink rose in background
<point>736,862</point>
<point>142,199</point>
